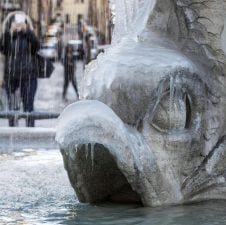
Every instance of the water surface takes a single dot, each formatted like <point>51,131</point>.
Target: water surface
<point>34,189</point>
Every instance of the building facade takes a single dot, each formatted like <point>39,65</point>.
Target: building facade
<point>99,16</point>
<point>71,10</point>
<point>95,12</point>
<point>40,12</point>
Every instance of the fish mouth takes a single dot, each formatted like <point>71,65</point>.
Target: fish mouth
<point>105,159</point>
<point>95,176</point>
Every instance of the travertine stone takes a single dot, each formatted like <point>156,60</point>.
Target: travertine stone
<point>153,111</point>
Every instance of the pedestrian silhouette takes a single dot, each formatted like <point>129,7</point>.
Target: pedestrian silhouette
<point>20,45</point>
<point>69,71</point>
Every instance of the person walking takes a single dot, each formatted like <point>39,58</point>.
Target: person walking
<point>87,49</point>
<point>20,45</point>
<point>69,71</point>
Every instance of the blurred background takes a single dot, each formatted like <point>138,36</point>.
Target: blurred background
<point>67,21</point>
<point>84,25</point>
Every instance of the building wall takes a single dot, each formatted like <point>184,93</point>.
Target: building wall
<point>30,8</point>
<point>40,13</point>
<point>73,8</point>
<point>104,18</point>
<point>99,16</point>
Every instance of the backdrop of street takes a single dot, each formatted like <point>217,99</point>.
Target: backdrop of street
<point>49,94</point>
<point>84,25</point>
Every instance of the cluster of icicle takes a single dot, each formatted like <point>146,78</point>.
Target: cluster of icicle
<point>129,16</point>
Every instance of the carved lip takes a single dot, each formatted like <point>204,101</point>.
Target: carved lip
<point>92,122</point>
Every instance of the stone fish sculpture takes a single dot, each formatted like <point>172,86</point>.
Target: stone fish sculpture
<point>151,125</point>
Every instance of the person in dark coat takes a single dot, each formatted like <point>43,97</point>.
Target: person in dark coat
<point>87,47</point>
<point>69,71</point>
<point>20,45</point>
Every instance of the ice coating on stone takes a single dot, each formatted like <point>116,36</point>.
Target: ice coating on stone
<point>155,57</point>
<point>96,116</point>
<point>130,17</point>
<point>223,38</point>
<point>97,123</point>
<point>162,115</point>
<point>70,115</point>
<point>90,122</point>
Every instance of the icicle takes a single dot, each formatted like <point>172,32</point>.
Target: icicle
<point>159,94</point>
<point>72,153</point>
<point>76,149</point>
<point>92,154</point>
<point>87,150</point>
<point>171,104</point>
<point>129,16</point>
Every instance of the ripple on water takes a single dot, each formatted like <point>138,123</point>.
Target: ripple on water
<point>34,189</point>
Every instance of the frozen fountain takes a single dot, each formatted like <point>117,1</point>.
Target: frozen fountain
<point>150,128</point>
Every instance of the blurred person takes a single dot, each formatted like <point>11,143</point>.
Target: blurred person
<point>87,49</point>
<point>59,46</point>
<point>69,71</point>
<point>20,45</point>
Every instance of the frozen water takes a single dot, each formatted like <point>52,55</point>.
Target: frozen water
<point>150,47</point>
<point>12,139</point>
<point>97,123</point>
<point>70,121</point>
<point>155,57</point>
<point>130,17</point>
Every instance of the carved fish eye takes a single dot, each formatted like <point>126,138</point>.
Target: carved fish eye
<point>172,113</point>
